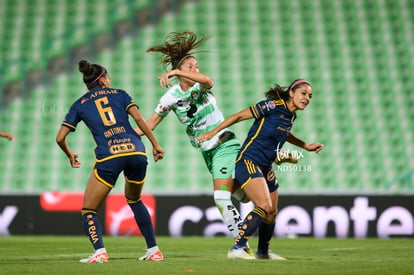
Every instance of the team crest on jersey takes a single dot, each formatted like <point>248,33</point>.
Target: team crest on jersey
<point>194,95</point>
<point>270,105</point>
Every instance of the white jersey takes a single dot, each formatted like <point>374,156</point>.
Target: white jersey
<point>197,109</point>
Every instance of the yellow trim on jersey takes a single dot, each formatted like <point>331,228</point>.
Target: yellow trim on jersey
<point>245,183</point>
<point>252,139</point>
<point>132,104</point>
<point>250,166</point>
<point>280,102</point>
<point>121,155</point>
<point>135,182</point>
<point>101,180</point>
<point>70,126</point>
<point>254,112</point>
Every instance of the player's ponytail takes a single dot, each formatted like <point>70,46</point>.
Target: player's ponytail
<point>91,73</point>
<point>177,47</point>
<point>277,92</point>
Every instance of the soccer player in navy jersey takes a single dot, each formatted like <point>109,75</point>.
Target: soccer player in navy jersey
<point>105,112</point>
<point>271,129</point>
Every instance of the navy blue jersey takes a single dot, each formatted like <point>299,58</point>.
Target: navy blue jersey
<point>269,132</point>
<point>105,112</point>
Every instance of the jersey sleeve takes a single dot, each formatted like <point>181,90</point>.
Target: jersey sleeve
<point>128,101</point>
<point>265,107</point>
<point>72,117</point>
<point>165,105</point>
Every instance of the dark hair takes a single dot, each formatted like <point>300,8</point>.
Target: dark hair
<point>91,73</point>
<point>278,92</point>
<point>177,47</point>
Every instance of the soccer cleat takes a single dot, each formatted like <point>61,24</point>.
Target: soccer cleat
<point>270,256</point>
<point>152,254</point>
<point>99,256</point>
<point>249,251</point>
<point>241,253</point>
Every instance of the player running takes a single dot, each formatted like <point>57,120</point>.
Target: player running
<point>271,129</point>
<point>119,148</point>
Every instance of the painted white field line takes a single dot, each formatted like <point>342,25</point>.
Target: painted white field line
<point>341,248</point>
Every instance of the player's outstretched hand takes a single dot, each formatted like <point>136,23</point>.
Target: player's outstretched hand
<point>285,157</point>
<point>316,147</point>
<point>164,80</point>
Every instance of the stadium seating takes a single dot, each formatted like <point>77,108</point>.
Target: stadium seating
<point>357,54</point>
<point>35,31</point>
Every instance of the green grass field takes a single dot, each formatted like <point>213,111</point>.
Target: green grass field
<point>60,255</point>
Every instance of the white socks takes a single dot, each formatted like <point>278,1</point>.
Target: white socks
<point>228,211</point>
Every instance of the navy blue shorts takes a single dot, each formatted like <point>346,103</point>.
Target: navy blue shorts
<point>134,167</point>
<point>246,170</point>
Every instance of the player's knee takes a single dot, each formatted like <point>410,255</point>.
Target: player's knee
<point>271,215</point>
<point>266,206</point>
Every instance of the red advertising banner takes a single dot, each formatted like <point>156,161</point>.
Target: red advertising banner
<point>119,219</point>
<point>61,201</point>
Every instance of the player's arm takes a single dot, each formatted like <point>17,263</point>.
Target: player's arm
<point>152,122</point>
<point>6,135</point>
<point>158,152</point>
<point>204,80</point>
<point>233,119</point>
<point>293,139</point>
<point>61,141</point>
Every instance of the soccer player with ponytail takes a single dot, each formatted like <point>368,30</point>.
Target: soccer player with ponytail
<point>274,117</point>
<point>105,112</point>
<point>195,105</point>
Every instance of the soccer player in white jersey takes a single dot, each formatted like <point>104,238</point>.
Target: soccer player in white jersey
<point>195,106</point>
<point>193,102</point>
